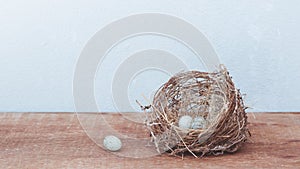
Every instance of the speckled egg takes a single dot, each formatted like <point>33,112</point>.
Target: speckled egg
<point>185,122</point>
<point>112,143</point>
<point>198,122</point>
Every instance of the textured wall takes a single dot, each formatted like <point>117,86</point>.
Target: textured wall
<point>40,41</point>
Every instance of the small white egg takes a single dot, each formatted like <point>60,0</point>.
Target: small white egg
<point>185,122</point>
<point>112,143</point>
<point>198,122</point>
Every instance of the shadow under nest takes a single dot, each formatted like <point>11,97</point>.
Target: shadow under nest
<point>209,96</point>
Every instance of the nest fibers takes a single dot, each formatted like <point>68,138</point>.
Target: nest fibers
<point>211,97</point>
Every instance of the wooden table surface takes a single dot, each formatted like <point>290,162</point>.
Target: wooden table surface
<point>57,140</point>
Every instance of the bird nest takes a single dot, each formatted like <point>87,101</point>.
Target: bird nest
<point>198,112</point>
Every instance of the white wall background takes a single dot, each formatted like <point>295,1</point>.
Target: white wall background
<point>40,41</point>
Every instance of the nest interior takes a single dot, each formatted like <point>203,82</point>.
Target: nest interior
<point>210,96</point>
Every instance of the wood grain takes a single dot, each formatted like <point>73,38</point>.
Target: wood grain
<point>57,140</point>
